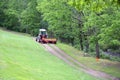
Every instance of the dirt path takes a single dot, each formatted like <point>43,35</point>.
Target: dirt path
<point>74,63</point>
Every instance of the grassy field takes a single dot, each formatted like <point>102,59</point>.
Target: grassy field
<point>110,67</point>
<point>21,58</point>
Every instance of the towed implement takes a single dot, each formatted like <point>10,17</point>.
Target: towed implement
<point>43,37</point>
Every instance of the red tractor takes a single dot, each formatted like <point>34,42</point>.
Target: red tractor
<point>43,37</point>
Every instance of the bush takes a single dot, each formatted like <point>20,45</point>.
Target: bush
<point>113,45</point>
<point>110,57</point>
<point>105,56</point>
<point>114,58</point>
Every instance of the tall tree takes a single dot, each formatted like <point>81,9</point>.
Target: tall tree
<point>93,23</point>
<point>58,15</point>
<point>30,18</point>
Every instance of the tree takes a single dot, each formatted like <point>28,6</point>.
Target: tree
<point>30,18</point>
<point>93,23</point>
<point>58,15</point>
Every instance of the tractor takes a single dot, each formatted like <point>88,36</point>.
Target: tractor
<point>43,37</point>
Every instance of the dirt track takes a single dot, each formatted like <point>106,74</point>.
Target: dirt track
<point>74,63</point>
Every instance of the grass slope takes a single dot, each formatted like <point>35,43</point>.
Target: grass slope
<point>21,58</point>
<point>110,67</point>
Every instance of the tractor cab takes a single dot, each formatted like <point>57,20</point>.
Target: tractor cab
<point>43,33</point>
<point>43,37</point>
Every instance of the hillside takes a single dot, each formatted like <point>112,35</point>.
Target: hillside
<point>21,58</point>
<point>104,65</point>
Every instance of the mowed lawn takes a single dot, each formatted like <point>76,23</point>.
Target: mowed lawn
<point>21,58</point>
<point>103,65</point>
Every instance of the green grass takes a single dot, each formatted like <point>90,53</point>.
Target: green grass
<point>21,58</point>
<point>110,67</point>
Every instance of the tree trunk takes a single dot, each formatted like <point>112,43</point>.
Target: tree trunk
<point>97,50</point>
<point>87,46</point>
<point>86,42</point>
<point>81,41</point>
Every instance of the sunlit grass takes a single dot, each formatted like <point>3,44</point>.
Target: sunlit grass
<point>21,58</point>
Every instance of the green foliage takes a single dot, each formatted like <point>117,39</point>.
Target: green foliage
<point>105,56</point>
<point>21,15</point>
<point>11,21</point>
<point>58,15</point>
<point>29,18</point>
<point>100,22</point>
<point>110,32</point>
<point>114,58</point>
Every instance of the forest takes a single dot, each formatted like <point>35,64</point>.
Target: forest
<point>92,26</point>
